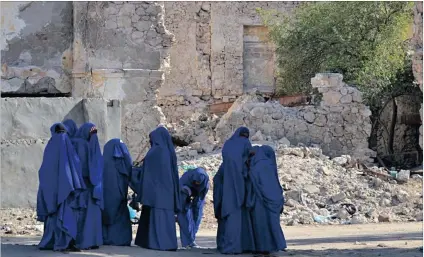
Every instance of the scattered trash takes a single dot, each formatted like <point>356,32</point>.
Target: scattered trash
<point>393,172</point>
<point>350,208</point>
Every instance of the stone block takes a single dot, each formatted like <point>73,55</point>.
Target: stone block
<point>327,80</point>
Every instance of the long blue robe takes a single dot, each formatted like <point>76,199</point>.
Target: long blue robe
<point>59,181</point>
<point>157,188</point>
<point>267,201</point>
<point>235,234</point>
<point>192,204</point>
<point>217,203</point>
<point>117,228</point>
<point>90,218</point>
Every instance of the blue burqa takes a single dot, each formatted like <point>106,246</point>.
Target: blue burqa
<point>157,187</point>
<point>90,218</point>
<point>59,181</point>
<point>71,127</point>
<point>196,181</point>
<point>268,201</point>
<point>117,228</point>
<point>235,233</point>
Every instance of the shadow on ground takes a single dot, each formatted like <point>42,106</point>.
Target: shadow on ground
<point>362,238</point>
<point>26,247</point>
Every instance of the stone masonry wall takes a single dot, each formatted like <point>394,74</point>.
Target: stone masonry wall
<point>36,47</point>
<point>340,125</point>
<point>207,58</point>
<point>417,61</point>
<point>121,51</point>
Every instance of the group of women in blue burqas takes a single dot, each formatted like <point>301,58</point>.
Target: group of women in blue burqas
<point>70,195</point>
<point>82,196</point>
<point>248,198</point>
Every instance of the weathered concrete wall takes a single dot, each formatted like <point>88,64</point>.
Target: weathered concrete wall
<point>340,125</point>
<point>36,44</point>
<point>207,64</point>
<point>417,61</point>
<point>25,124</point>
<point>121,51</point>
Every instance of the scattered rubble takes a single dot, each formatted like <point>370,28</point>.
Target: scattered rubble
<point>323,190</point>
<point>317,189</point>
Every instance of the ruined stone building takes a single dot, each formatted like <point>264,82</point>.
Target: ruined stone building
<point>129,66</point>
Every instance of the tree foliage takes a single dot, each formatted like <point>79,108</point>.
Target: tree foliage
<point>365,41</point>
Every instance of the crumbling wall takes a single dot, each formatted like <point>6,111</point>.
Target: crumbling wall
<point>397,131</point>
<point>36,47</point>
<point>121,50</point>
<point>207,59</point>
<point>25,124</point>
<point>417,61</point>
<point>340,124</point>
<point>187,87</point>
<point>227,23</point>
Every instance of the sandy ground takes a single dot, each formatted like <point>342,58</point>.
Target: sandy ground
<point>372,240</point>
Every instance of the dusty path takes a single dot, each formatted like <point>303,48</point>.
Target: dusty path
<point>402,239</point>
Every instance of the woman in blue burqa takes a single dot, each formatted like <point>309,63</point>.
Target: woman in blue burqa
<point>71,127</point>
<point>194,185</point>
<point>267,201</point>
<point>157,188</point>
<point>235,233</point>
<point>117,228</point>
<point>90,218</point>
<point>60,181</point>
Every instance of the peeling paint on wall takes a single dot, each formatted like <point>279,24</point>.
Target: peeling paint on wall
<point>36,51</point>
<point>11,23</point>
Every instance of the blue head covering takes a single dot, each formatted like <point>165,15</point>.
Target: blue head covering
<point>71,127</point>
<point>158,184</point>
<point>263,175</point>
<point>235,154</point>
<point>240,132</point>
<point>116,176</point>
<point>59,174</point>
<point>91,154</point>
<point>198,175</point>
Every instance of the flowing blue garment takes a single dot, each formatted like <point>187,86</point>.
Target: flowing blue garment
<point>117,228</point>
<point>196,183</point>
<point>71,127</point>
<point>59,181</point>
<point>268,201</point>
<point>234,224</point>
<point>157,187</point>
<point>90,218</point>
<point>217,203</point>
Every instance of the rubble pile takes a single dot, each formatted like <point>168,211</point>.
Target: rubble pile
<point>195,135</point>
<point>317,190</point>
<point>321,190</point>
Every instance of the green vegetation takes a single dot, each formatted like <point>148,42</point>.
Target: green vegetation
<point>365,41</point>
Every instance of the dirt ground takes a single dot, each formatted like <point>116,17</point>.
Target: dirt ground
<point>371,240</point>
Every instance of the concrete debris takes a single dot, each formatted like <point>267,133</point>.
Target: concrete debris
<point>316,190</point>
<point>315,185</point>
<point>403,175</point>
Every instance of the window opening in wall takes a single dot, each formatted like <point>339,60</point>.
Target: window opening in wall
<point>258,60</point>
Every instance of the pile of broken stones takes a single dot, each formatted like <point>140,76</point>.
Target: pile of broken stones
<point>317,189</point>
<point>320,190</point>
